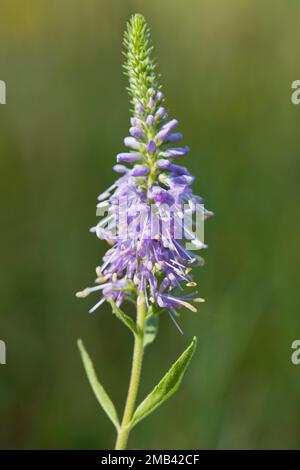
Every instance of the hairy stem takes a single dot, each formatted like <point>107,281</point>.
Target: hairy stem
<point>137,360</point>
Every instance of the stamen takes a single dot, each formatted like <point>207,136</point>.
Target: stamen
<point>175,323</point>
<point>82,294</point>
<point>97,305</point>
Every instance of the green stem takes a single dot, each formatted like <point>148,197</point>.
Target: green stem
<point>137,360</point>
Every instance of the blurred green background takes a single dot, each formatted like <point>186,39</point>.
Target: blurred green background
<point>227,70</point>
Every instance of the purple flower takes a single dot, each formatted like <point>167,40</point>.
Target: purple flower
<point>178,170</point>
<point>137,132</point>
<point>132,143</point>
<point>160,113</point>
<point>120,169</point>
<point>139,170</point>
<point>170,126</point>
<point>136,122</point>
<point>150,120</point>
<point>145,213</point>
<point>159,96</point>
<point>151,103</point>
<point>151,147</point>
<point>162,135</point>
<point>128,157</point>
<point>163,163</point>
<point>140,109</point>
<point>174,137</point>
<point>175,152</point>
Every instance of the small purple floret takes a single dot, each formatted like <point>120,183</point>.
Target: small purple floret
<point>136,122</point>
<point>137,132</point>
<point>151,146</point>
<point>150,120</point>
<point>162,135</point>
<point>140,109</point>
<point>169,126</point>
<point>128,157</point>
<point>151,103</point>
<point>160,113</point>
<point>120,168</point>
<point>139,171</point>
<point>176,152</point>
<point>163,164</point>
<point>174,137</point>
<point>132,143</point>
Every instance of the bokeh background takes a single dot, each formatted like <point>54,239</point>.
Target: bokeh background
<point>227,70</point>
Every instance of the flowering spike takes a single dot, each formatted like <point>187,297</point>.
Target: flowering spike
<point>146,255</point>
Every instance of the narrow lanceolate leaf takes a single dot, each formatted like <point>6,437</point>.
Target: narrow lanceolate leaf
<point>151,330</point>
<point>98,389</point>
<point>122,316</point>
<point>166,387</point>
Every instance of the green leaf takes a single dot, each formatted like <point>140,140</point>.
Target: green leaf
<point>98,390</point>
<point>166,387</point>
<point>128,321</point>
<point>151,329</point>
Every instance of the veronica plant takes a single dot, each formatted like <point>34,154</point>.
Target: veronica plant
<point>146,208</point>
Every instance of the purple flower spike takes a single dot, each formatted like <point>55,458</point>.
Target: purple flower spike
<point>132,143</point>
<point>148,256</point>
<point>151,146</point>
<point>137,132</point>
<point>139,171</point>
<point>120,169</point>
<point>128,157</point>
